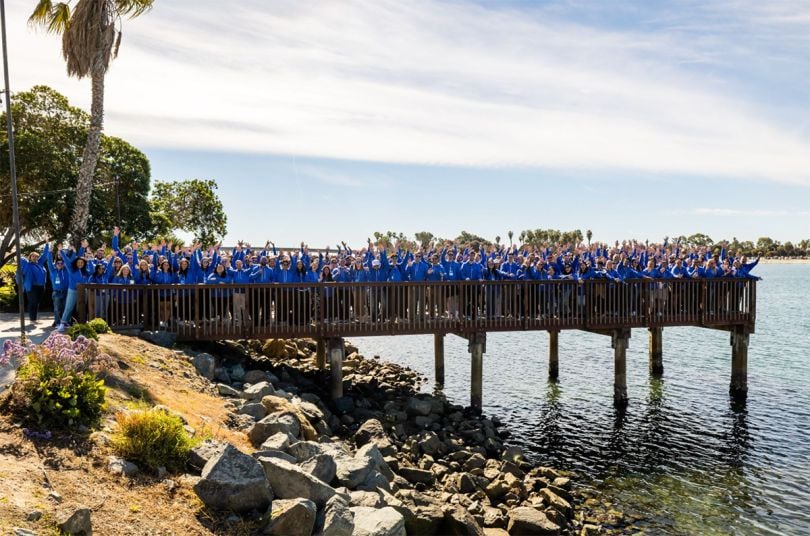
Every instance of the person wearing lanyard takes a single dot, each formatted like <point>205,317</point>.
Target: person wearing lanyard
<point>59,283</point>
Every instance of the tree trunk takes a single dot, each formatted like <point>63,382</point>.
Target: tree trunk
<point>84,186</point>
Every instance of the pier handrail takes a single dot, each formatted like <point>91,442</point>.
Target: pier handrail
<point>208,312</point>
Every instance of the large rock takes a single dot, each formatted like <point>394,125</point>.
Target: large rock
<point>336,518</point>
<point>559,504</point>
<point>205,364</point>
<point>234,481</point>
<point>322,467</point>
<point>276,404</point>
<point>258,391</point>
<point>290,481</point>
<point>528,520</point>
<point>254,409</point>
<point>203,452</point>
<point>77,522</point>
<point>291,517</point>
<point>422,515</point>
<point>278,441</point>
<point>417,406</point>
<point>274,423</point>
<point>371,451</point>
<point>351,472</point>
<point>377,522</point>
<point>372,431</point>
<point>237,373</point>
<point>429,443</point>
<point>458,520</point>
<point>274,454</point>
<point>274,348</point>
<point>416,476</point>
<point>119,466</point>
<point>304,450</point>
<point>254,376</point>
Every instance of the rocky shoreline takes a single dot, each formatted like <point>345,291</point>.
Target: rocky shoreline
<point>382,460</point>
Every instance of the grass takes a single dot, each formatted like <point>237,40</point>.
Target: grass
<point>153,438</point>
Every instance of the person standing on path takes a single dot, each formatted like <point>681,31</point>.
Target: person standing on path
<point>33,281</point>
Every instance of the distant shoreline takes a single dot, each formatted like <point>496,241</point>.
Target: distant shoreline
<point>784,261</point>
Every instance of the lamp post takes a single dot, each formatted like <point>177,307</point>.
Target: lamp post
<point>13,171</point>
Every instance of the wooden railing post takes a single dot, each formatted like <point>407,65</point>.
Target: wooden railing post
<point>81,297</point>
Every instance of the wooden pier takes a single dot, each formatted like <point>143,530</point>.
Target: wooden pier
<point>328,312</point>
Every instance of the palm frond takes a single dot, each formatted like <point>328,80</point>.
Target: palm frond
<point>41,14</point>
<point>60,18</point>
<point>88,42</point>
<point>133,8</point>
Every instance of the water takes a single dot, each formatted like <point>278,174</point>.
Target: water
<point>683,455</point>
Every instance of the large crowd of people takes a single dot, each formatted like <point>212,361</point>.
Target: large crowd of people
<point>134,265</point>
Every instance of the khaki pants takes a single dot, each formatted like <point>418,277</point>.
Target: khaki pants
<point>238,309</point>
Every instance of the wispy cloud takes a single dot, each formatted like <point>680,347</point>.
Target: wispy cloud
<point>431,83</point>
<point>750,213</point>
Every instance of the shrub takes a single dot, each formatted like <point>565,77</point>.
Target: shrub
<point>8,288</point>
<point>82,330</point>
<point>56,385</point>
<point>153,438</point>
<point>99,325</point>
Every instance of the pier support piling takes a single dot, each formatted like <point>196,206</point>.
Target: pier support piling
<point>656,351</point>
<point>320,354</point>
<point>621,340</point>
<point>337,352</point>
<point>553,354</point>
<point>477,347</point>
<point>438,350</point>
<point>739,362</point>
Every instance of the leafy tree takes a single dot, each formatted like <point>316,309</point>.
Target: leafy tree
<point>699,240</point>
<point>469,238</point>
<point>90,40</point>
<point>191,206</point>
<point>423,238</point>
<point>49,140</point>
<point>589,234</point>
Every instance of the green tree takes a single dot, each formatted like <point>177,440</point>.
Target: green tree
<point>423,238</point>
<point>589,234</point>
<point>49,139</point>
<point>699,240</point>
<point>191,206</point>
<point>90,40</point>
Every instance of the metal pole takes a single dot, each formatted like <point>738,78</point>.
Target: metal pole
<point>117,204</point>
<point>13,170</point>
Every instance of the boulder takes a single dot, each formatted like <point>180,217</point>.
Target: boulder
<point>458,520</point>
<point>227,390</point>
<point>370,450</point>
<point>417,406</point>
<point>351,472</point>
<point>274,348</point>
<point>205,364</point>
<point>254,376</point>
<point>203,452</point>
<point>290,481</point>
<point>254,409</point>
<point>118,466</point>
<point>554,500</point>
<point>416,476</point>
<point>429,443</point>
<point>278,441</point>
<point>375,481</point>
<point>276,403</point>
<point>282,421</point>
<point>274,454</point>
<point>528,520</point>
<point>76,522</point>
<point>465,483</point>
<point>422,515</point>
<point>304,450</point>
<point>322,467</point>
<point>258,391</point>
<point>377,522</point>
<point>336,518</point>
<point>234,481</point>
<point>372,431</point>
<point>371,499</point>
<point>291,517</point>
<point>237,373</point>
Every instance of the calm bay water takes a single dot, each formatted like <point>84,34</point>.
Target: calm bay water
<point>683,456</point>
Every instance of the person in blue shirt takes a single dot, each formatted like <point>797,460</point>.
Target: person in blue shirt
<point>359,274</point>
<point>165,276</point>
<point>220,297</point>
<point>78,274</point>
<point>33,281</point>
<point>239,275</point>
<point>435,299</point>
<point>59,283</point>
<point>123,306</point>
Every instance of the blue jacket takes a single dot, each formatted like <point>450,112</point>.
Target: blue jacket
<point>76,276</point>
<point>215,279</point>
<point>417,271</point>
<point>33,273</point>
<point>435,272</point>
<point>59,277</point>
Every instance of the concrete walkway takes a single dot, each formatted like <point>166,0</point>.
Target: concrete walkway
<point>10,329</point>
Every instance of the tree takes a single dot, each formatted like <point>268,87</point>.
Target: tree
<point>191,206</point>
<point>90,41</point>
<point>699,240</point>
<point>589,234</point>
<point>49,140</point>
<point>423,238</point>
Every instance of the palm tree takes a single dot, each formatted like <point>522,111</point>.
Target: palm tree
<point>589,234</point>
<point>91,36</point>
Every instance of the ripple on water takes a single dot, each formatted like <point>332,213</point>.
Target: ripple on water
<point>682,455</point>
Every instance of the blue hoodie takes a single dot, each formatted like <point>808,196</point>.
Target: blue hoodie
<point>59,276</point>
<point>33,273</point>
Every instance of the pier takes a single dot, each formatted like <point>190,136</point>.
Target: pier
<point>328,312</point>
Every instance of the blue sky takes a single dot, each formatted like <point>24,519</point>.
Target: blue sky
<point>325,121</point>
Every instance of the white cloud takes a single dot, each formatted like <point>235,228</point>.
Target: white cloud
<point>747,213</point>
<point>420,82</point>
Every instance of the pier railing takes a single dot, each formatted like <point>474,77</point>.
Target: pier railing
<point>210,312</point>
